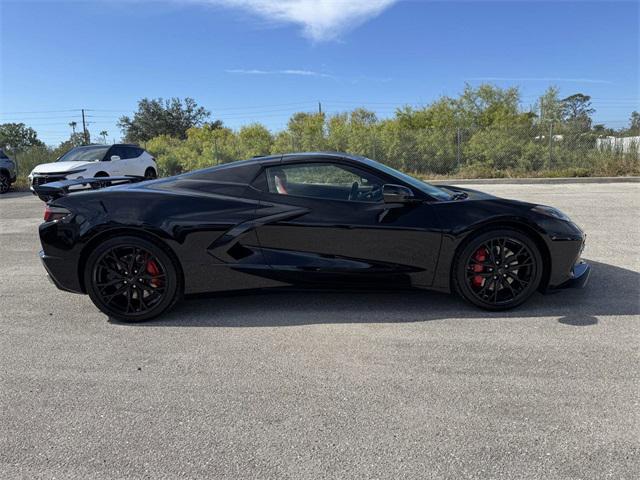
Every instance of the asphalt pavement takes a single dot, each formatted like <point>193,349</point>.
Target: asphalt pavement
<point>412,385</point>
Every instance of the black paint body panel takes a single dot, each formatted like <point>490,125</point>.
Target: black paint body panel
<point>227,233</point>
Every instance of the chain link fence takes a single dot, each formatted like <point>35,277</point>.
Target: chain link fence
<point>484,152</point>
<point>429,153</point>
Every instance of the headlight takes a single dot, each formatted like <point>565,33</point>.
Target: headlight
<point>551,212</point>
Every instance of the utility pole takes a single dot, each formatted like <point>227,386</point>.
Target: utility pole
<point>458,147</point>
<point>550,145</point>
<point>84,129</point>
<point>319,108</point>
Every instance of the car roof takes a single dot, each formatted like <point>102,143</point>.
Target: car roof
<point>108,145</point>
<point>252,165</point>
<point>302,156</point>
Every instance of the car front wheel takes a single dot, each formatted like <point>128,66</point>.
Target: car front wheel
<point>99,185</point>
<point>131,279</point>
<point>150,174</point>
<point>498,269</point>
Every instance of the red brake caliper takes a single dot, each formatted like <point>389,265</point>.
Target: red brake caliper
<point>479,256</point>
<point>154,271</point>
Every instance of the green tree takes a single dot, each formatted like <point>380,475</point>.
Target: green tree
<point>397,145</point>
<point>338,130</point>
<point>255,139</point>
<point>155,117</point>
<point>213,125</point>
<point>577,111</point>
<point>307,131</point>
<point>443,113</point>
<point>482,132</point>
<point>550,107</point>
<point>17,136</point>
<point>602,131</point>
<point>164,148</point>
<point>282,142</point>
<point>488,105</point>
<point>634,124</point>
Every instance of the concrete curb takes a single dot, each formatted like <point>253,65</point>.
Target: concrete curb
<point>534,181</point>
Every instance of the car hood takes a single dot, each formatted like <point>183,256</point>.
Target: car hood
<point>60,167</point>
<point>478,195</point>
<point>472,194</point>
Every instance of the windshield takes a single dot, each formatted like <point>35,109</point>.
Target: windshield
<point>3,155</point>
<point>91,153</point>
<point>424,187</point>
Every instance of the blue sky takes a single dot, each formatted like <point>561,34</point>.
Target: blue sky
<point>261,60</point>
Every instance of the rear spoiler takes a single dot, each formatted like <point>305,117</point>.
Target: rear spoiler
<point>53,190</point>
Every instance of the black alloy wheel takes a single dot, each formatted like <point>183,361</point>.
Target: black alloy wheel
<point>131,279</point>
<point>498,270</point>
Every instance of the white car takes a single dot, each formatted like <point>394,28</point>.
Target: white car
<point>96,161</point>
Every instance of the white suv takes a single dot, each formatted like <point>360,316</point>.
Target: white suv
<point>96,161</point>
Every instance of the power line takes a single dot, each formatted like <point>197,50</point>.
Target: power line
<point>14,120</point>
<point>41,111</point>
<point>248,107</point>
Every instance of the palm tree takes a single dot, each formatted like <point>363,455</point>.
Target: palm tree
<point>104,135</point>
<point>73,126</point>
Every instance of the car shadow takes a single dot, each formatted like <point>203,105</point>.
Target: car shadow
<point>17,194</point>
<point>611,290</point>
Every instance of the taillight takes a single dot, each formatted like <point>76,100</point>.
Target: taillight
<point>52,214</point>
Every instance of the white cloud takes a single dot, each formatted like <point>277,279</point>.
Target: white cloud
<point>303,73</point>
<point>320,19</point>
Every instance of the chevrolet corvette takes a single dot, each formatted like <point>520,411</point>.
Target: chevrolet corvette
<point>309,220</point>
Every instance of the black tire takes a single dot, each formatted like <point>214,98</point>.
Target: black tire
<point>5,182</point>
<point>119,269</point>
<point>150,174</point>
<point>498,269</point>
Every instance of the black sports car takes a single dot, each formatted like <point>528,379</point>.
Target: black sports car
<point>311,219</point>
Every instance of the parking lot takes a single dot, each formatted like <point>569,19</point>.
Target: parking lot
<point>329,385</point>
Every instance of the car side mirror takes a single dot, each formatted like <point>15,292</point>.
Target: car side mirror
<point>397,194</point>
<point>115,158</point>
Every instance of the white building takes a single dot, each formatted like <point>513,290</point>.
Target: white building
<point>621,144</point>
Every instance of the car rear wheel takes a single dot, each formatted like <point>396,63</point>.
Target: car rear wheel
<point>131,279</point>
<point>5,182</point>
<point>99,185</point>
<point>498,269</point>
<point>150,174</point>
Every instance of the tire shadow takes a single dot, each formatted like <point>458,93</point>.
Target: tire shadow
<point>611,290</point>
<point>578,320</point>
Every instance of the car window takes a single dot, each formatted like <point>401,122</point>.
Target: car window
<point>126,153</point>
<point>424,187</point>
<point>132,152</point>
<point>90,153</point>
<point>119,151</point>
<point>112,151</point>
<point>324,180</point>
